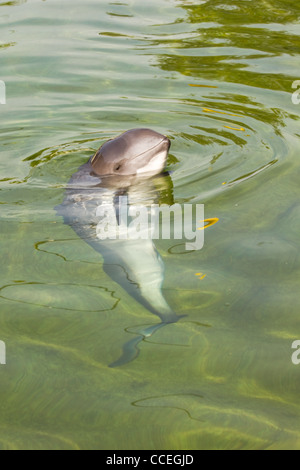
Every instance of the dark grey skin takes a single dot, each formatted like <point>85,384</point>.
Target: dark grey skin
<point>123,167</point>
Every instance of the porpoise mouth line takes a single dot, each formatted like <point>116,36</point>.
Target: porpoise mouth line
<point>137,156</point>
<point>149,150</point>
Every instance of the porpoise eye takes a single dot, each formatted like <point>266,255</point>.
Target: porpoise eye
<point>118,167</point>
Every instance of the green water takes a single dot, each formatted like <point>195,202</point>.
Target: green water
<point>76,74</point>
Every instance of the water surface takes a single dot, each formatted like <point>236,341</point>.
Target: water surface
<point>216,77</point>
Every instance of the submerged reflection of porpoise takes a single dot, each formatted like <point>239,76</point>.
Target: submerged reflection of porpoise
<point>123,168</point>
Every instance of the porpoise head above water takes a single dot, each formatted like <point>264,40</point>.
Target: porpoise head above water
<point>136,152</point>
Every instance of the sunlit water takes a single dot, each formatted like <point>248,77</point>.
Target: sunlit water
<point>216,77</point>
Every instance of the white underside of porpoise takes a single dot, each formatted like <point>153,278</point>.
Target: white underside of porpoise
<point>156,165</point>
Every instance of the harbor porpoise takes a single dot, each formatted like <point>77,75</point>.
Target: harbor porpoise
<point>122,170</point>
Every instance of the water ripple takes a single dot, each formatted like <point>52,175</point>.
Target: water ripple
<point>61,296</point>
